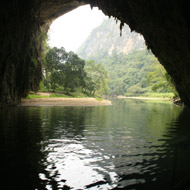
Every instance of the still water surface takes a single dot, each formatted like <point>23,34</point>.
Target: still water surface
<point>132,144</point>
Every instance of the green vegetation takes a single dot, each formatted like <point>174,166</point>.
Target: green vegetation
<point>169,95</point>
<point>96,79</point>
<point>99,99</point>
<point>78,94</point>
<point>137,74</point>
<point>70,95</point>
<point>59,95</point>
<point>55,95</point>
<point>31,96</point>
<point>65,72</point>
<point>131,69</point>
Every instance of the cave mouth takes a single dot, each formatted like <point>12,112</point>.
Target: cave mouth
<point>67,29</point>
<point>164,25</point>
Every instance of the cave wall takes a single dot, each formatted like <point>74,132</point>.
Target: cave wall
<point>164,25</point>
<point>20,41</point>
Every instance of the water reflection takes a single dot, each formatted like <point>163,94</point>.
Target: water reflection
<point>20,149</point>
<point>71,156</point>
<point>130,145</point>
<point>180,133</point>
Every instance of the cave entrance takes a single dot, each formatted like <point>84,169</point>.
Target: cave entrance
<point>105,45</point>
<point>166,34</point>
<point>66,34</point>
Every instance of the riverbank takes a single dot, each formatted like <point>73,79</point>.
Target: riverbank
<point>144,98</point>
<point>64,102</point>
<point>176,101</point>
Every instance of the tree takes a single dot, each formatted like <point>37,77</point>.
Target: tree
<point>128,73</point>
<point>159,79</point>
<point>74,72</point>
<point>63,69</point>
<point>96,79</point>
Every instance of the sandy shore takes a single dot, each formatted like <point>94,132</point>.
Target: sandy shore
<point>64,102</point>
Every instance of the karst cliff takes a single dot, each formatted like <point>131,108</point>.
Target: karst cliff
<point>165,25</point>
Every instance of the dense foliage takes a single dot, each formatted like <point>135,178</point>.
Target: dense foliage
<point>136,74</point>
<point>63,69</point>
<point>66,72</point>
<point>96,79</point>
<point>132,70</point>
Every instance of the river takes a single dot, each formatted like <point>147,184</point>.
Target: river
<point>133,144</point>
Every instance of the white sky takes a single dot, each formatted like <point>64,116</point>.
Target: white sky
<point>70,30</point>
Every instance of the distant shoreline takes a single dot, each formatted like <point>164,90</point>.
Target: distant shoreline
<point>143,98</point>
<point>64,102</point>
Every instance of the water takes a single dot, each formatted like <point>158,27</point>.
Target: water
<point>133,144</point>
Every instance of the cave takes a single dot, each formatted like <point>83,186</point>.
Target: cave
<point>165,25</point>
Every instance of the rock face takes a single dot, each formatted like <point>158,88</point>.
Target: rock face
<point>106,39</point>
<point>165,25</point>
<point>20,49</point>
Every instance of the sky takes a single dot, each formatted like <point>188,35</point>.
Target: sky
<point>71,30</point>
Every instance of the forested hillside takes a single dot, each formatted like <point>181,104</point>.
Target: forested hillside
<point>132,69</point>
<point>136,74</point>
<point>113,65</point>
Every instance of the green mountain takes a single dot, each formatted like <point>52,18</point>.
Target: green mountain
<point>131,68</point>
<point>137,73</point>
<point>106,39</point>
